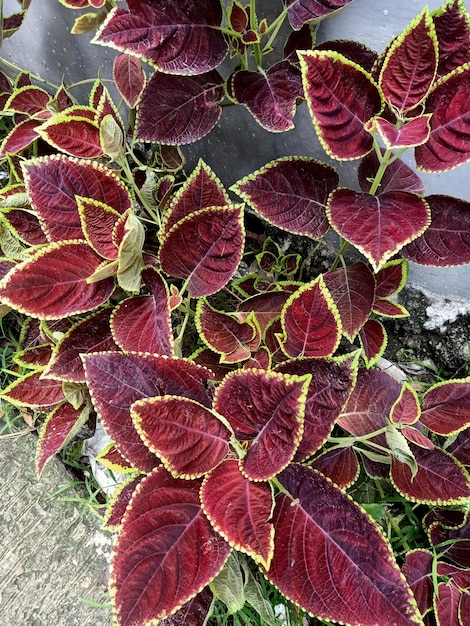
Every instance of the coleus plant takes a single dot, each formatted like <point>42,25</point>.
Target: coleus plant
<point>246,405</point>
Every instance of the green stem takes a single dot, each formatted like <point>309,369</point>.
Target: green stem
<point>344,246</point>
<point>130,178</point>
<point>384,162</point>
<point>254,27</point>
<point>275,28</point>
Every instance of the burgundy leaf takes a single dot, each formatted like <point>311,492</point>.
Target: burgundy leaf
<point>291,193</point>
<point>303,39</point>
<point>57,431</point>
<point>329,556</point>
<point>22,135</point>
<point>129,77</point>
<point>204,248</point>
<point>455,537</point>
<point>211,361</point>
<point>188,437</point>
<point>111,458</point>
<point>53,184</point>
<point>178,110</point>
<point>446,407</point>
<point>142,323</point>
<point>340,465</point>
<point>398,176</point>
<point>195,611</point>
<point>410,65</point>
<point>352,50</point>
<point>271,96</point>
<point>34,358</point>
<point>379,226</point>
<point>439,480</point>
<point>33,391</point>
<point>446,241</point>
<point>453,35</point>
<point>460,448</point>
<point>117,504</point>
<point>331,384</point>
<point>387,308</point>
<point>261,360</point>
<point>53,283</point>
<point>352,289</point>
<point>98,222</point>
<point>301,11</point>
<point>265,409</point>
<point>240,510</point>
<point>416,436</point>
<point>412,133</point>
<point>265,306</point>
<point>341,97</point>
<point>418,571</point>
<point>176,38</point>
<point>373,339</point>
<point>164,526</point>
<point>91,334</point>
<point>272,340</point>
<point>201,190</point>
<point>310,322</point>
<point>449,143</point>
<point>117,380</point>
<point>223,333</point>
<point>26,225</point>
<point>447,604</point>
<point>30,100</point>
<point>77,136</point>
<point>406,409</point>
<point>391,278</point>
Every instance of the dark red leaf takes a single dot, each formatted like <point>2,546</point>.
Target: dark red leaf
<point>387,308</point>
<point>111,458</point>
<point>265,306</point>
<point>238,17</point>
<point>98,222</point>
<point>410,64</point>
<point>303,39</point>
<point>453,35</point>
<point>129,77</point>
<point>117,380</point>
<point>188,437</point>
<point>195,611</point>
<point>178,110</point>
<point>22,135</point>
<point>34,358</point>
<point>77,136</point>
<point>261,360</point>
<point>91,334</point>
<point>352,50</point>
<point>329,556</point>
<point>341,97</point>
<point>53,184</point>
<point>291,193</point>
<point>331,384</point>
<point>310,322</point>
<point>30,100</point>
<point>391,278</point>
<point>412,133</point>
<point>301,11</point>
<point>33,391</point>
<point>455,537</point>
<point>398,176</point>
<point>53,283</point>
<point>211,361</point>
<point>439,480</point>
<point>205,248</point>
<point>265,409</point>
<point>447,604</point>
<point>271,96</point>
<point>117,504</point>
<point>201,190</point>
<point>446,241</point>
<point>449,141</point>
<point>339,465</point>
<point>142,323</point>
<point>57,431</point>
<point>416,436</point>
<point>240,510</point>
<point>164,526</point>
<point>446,407</point>
<point>176,38</point>
<point>373,339</point>
<point>418,571</point>
<point>26,225</point>
<point>406,409</point>
<point>353,290</point>
<point>460,448</point>
<point>379,226</point>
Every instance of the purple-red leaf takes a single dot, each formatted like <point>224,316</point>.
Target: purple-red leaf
<point>164,527</point>
<point>379,226</point>
<point>449,141</point>
<point>22,135</point>
<point>291,193</point>
<point>205,248</point>
<point>53,184</point>
<point>265,306</point>
<point>240,510</point>
<point>53,283</point>
<point>265,409</point>
<point>446,407</point>
<point>98,222</point>
<point>31,101</point>
<point>176,110</point>
<point>310,322</point>
<point>412,133</point>
<point>75,135</point>
<point>453,35</point>
<point>26,225</point>
<point>353,290</point>
<point>142,323</point>
<point>391,278</point>
<point>341,97</point>
<point>33,391</point>
<point>129,77</point>
<point>398,176</point>
<point>195,611</point>
<point>331,384</point>
<point>440,480</point>
<point>117,504</point>
<point>446,241</point>
<point>176,37</point>
<point>301,11</point>
<point>339,465</point>
<point>117,380</point>
<point>201,190</point>
<point>373,339</point>
<point>406,409</point>
<point>329,556</point>
<point>271,96</point>
<point>410,64</point>
<point>91,334</point>
<point>188,437</point>
<point>418,571</point>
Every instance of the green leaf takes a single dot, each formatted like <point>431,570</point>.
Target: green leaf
<point>228,585</point>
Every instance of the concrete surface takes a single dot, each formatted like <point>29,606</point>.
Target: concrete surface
<point>53,555</point>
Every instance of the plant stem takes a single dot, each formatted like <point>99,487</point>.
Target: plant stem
<point>130,178</point>
<point>384,162</point>
<point>344,246</point>
<point>275,28</point>
<point>254,27</point>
